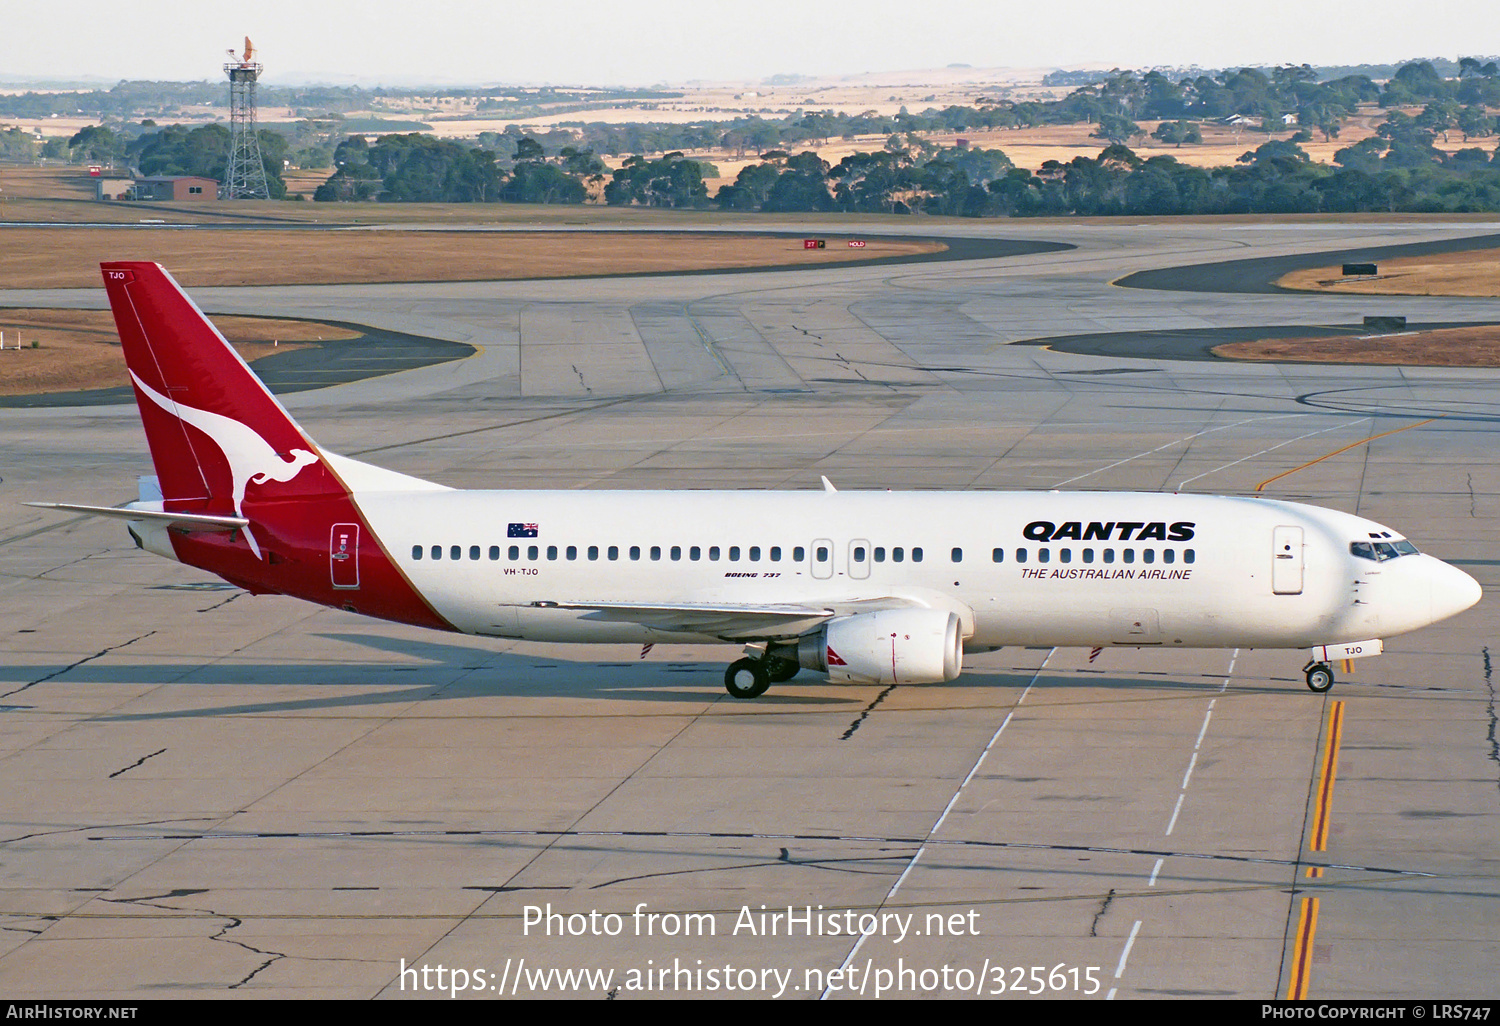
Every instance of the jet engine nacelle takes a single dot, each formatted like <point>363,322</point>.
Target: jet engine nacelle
<point>893,646</point>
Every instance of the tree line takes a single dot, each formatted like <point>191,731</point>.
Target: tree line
<point>1397,170</point>
<point>1400,168</point>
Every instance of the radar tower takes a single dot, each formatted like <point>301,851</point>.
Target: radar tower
<point>245,172</point>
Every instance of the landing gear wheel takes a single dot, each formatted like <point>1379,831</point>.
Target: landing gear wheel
<point>1320,677</point>
<point>780,670</point>
<point>746,678</point>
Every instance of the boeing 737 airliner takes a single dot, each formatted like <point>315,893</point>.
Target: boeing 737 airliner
<point>877,587</point>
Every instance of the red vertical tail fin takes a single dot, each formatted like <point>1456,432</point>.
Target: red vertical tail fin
<point>214,430</point>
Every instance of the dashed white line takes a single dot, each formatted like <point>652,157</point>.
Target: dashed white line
<point>948,808</point>
<point>1289,441</point>
<point>1179,441</point>
<point>1189,774</point>
<point>1175,810</point>
<point>1125,954</point>
<point>1204,730</point>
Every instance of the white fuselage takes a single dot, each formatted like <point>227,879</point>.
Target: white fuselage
<point>1073,568</point>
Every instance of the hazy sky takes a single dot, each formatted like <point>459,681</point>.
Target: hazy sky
<point>640,42</point>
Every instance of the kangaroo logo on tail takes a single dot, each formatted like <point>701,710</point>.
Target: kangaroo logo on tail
<point>250,457</point>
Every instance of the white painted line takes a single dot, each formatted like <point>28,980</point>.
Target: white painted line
<point>1154,870</point>
<point>1175,811</point>
<point>897,885</point>
<point>1228,673</point>
<point>1188,775</point>
<point>1289,441</point>
<point>1120,969</point>
<point>948,808</point>
<point>1206,717</point>
<point>1179,441</point>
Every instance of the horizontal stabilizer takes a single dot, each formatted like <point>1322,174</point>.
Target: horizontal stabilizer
<point>202,521</point>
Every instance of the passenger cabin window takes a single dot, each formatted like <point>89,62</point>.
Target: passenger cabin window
<point>958,555</point>
<point>635,552</point>
<point>494,552</point>
<point>532,552</point>
<point>572,552</point>
<point>822,553</point>
<point>880,553</point>
<point>916,555</point>
<point>456,552</point>
<point>734,553</point>
<point>676,552</point>
<point>437,552</point>
<point>614,552</point>
<point>1128,555</point>
<point>1043,555</point>
<point>416,552</point>
<point>859,553</point>
<point>656,552</point>
<point>515,552</point>
<point>755,553</point>
<point>713,553</point>
<point>1020,555</point>
<point>1148,555</point>
<point>551,551</point>
<point>695,553</point>
<point>473,551</point>
<point>998,556</point>
<point>1088,555</point>
<point>776,553</point>
<point>1187,556</point>
<point>799,554</point>
<point>593,552</point>
<point>1065,556</point>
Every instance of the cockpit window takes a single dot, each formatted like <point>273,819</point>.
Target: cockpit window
<point>1380,551</point>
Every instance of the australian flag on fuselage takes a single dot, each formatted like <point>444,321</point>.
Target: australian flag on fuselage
<point>521,531</point>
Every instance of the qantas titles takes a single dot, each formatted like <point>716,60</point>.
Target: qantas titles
<point>1123,530</point>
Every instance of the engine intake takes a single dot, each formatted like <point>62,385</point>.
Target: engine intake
<point>893,646</point>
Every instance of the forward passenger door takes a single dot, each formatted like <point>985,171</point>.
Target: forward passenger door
<point>1286,561</point>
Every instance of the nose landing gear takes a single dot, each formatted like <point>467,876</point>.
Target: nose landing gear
<point>1319,676</point>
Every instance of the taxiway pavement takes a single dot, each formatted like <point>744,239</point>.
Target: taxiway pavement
<point>205,793</point>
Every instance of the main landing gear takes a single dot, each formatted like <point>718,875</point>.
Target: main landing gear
<point>749,678</point>
<point>1319,676</point>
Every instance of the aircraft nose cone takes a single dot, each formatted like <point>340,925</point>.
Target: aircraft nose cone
<point>1453,591</point>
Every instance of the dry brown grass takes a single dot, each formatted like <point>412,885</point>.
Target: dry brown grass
<point>78,349</point>
<point>70,257</point>
<point>1469,273</point>
<point>1478,346</point>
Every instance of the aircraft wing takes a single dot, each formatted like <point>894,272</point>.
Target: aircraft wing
<point>730,622</point>
<point>201,521</point>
